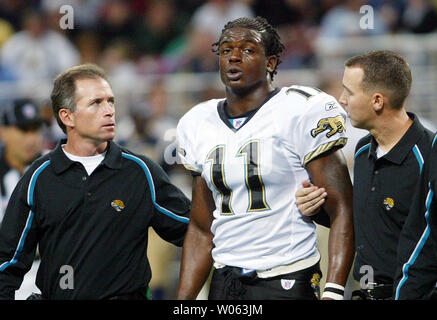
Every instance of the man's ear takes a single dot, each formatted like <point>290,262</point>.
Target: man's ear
<point>67,117</point>
<point>378,101</point>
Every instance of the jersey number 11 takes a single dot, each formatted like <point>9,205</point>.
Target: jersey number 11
<point>255,186</point>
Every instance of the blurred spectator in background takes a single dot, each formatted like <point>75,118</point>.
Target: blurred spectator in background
<point>420,16</point>
<point>159,25</point>
<point>196,55</point>
<point>88,44</point>
<point>149,129</point>
<point>51,132</point>
<point>159,36</point>
<point>12,11</point>
<point>37,53</point>
<point>118,61</point>
<point>116,21</point>
<point>20,124</point>
<point>344,20</point>
<point>6,31</point>
<point>214,14</point>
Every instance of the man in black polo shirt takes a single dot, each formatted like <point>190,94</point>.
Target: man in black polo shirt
<point>387,165</point>
<point>20,133</point>
<point>88,204</point>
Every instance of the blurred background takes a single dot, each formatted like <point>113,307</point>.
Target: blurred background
<point>157,54</point>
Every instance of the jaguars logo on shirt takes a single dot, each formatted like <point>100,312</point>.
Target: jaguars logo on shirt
<point>332,124</point>
<point>118,205</point>
<point>388,203</point>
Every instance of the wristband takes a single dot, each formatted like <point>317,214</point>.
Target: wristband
<point>333,291</point>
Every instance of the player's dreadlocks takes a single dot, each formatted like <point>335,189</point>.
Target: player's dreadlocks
<point>271,40</point>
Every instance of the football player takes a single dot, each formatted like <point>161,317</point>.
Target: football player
<point>248,154</point>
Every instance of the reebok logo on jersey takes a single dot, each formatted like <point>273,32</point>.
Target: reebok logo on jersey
<point>287,284</point>
<point>118,205</point>
<point>332,124</point>
<point>330,105</point>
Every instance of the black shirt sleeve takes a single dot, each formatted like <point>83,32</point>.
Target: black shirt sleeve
<point>416,273</point>
<point>172,207</point>
<point>18,239</point>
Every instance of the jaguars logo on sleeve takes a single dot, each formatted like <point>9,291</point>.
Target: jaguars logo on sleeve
<point>323,127</point>
<point>330,124</point>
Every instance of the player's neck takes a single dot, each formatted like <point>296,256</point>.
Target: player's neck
<point>85,148</point>
<point>239,101</point>
<point>391,129</point>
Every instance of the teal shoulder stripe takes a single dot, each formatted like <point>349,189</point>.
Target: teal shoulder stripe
<point>360,150</point>
<point>146,170</point>
<point>418,156</point>
<point>434,140</point>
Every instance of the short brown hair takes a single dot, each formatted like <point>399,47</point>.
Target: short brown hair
<point>384,70</point>
<point>64,87</point>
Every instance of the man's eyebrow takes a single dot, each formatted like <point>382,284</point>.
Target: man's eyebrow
<point>110,98</point>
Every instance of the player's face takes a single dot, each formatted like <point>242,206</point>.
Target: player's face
<point>94,117</point>
<point>354,100</point>
<point>242,59</point>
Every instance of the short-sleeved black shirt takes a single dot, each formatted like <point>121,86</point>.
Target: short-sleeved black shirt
<point>383,192</point>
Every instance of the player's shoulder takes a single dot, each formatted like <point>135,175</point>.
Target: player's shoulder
<point>200,111</point>
<point>304,92</point>
<point>305,98</point>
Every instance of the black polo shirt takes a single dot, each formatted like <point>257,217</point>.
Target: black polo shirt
<point>95,225</point>
<point>383,192</point>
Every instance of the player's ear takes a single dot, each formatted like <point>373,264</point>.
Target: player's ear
<point>67,117</point>
<point>272,62</point>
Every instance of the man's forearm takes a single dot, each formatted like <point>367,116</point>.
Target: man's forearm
<point>340,250</point>
<point>196,263</point>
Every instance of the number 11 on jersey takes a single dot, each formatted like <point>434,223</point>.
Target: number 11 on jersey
<point>250,153</point>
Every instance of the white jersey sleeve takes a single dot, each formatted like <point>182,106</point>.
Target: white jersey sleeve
<point>320,127</point>
<point>186,140</point>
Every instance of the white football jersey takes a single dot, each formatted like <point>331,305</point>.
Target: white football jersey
<point>254,172</point>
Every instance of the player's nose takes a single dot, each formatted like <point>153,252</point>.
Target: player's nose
<point>235,56</point>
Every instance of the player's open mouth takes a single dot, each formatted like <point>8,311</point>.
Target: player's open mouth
<point>234,74</point>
